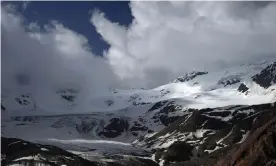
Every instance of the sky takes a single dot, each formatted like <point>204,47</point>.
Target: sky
<point>75,16</point>
<point>98,45</point>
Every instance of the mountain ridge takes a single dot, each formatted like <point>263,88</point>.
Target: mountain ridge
<point>206,109</point>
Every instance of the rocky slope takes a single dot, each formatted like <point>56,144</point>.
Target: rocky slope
<point>203,136</point>
<point>266,77</point>
<point>17,151</point>
<point>258,149</point>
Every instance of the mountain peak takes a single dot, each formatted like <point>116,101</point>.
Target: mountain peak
<point>266,77</point>
<point>189,76</point>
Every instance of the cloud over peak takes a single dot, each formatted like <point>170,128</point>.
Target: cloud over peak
<point>167,39</point>
<point>48,56</point>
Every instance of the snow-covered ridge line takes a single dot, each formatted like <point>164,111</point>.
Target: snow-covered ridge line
<point>229,86</point>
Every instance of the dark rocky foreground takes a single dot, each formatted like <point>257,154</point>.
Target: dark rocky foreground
<point>229,136</point>
<point>18,151</point>
<point>258,149</point>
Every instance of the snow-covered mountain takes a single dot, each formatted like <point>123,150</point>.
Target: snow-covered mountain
<point>125,115</point>
<point>243,84</point>
<point>208,103</point>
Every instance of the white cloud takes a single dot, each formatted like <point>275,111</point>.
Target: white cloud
<point>42,59</point>
<point>25,5</point>
<point>167,39</point>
